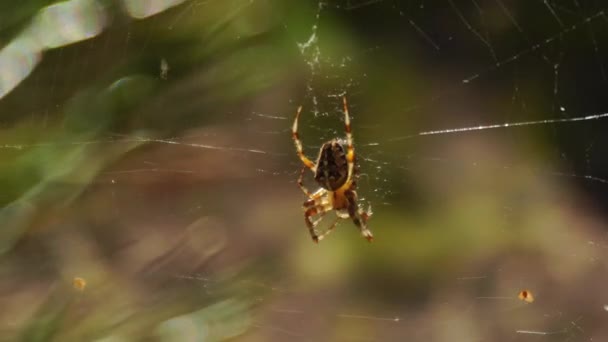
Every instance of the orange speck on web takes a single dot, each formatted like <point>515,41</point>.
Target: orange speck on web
<point>79,283</point>
<point>526,296</point>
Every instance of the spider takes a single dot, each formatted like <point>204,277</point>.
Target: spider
<point>336,172</point>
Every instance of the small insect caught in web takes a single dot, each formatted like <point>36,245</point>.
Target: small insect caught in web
<point>336,171</point>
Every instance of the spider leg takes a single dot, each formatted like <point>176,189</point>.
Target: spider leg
<point>366,214</point>
<point>358,216</point>
<point>315,199</point>
<point>330,229</point>
<point>296,139</point>
<point>308,214</point>
<point>321,210</point>
<point>301,184</point>
<point>317,221</point>
<point>350,154</point>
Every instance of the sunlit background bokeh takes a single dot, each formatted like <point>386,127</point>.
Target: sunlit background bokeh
<point>149,178</point>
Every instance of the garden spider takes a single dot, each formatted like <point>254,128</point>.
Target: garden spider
<point>336,172</point>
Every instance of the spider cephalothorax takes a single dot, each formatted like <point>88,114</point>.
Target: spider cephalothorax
<point>336,172</point>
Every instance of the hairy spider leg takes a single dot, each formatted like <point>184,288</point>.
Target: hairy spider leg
<point>315,199</point>
<point>296,139</point>
<point>330,229</point>
<point>316,208</point>
<point>301,183</point>
<point>308,214</point>
<point>350,154</point>
<point>365,214</point>
<point>358,216</point>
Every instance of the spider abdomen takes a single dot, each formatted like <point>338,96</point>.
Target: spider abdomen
<point>332,166</point>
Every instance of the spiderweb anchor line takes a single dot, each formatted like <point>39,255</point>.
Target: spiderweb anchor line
<point>503,125</point>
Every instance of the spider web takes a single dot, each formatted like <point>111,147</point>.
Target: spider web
<point>480,130</point>
<point>562,58</point>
